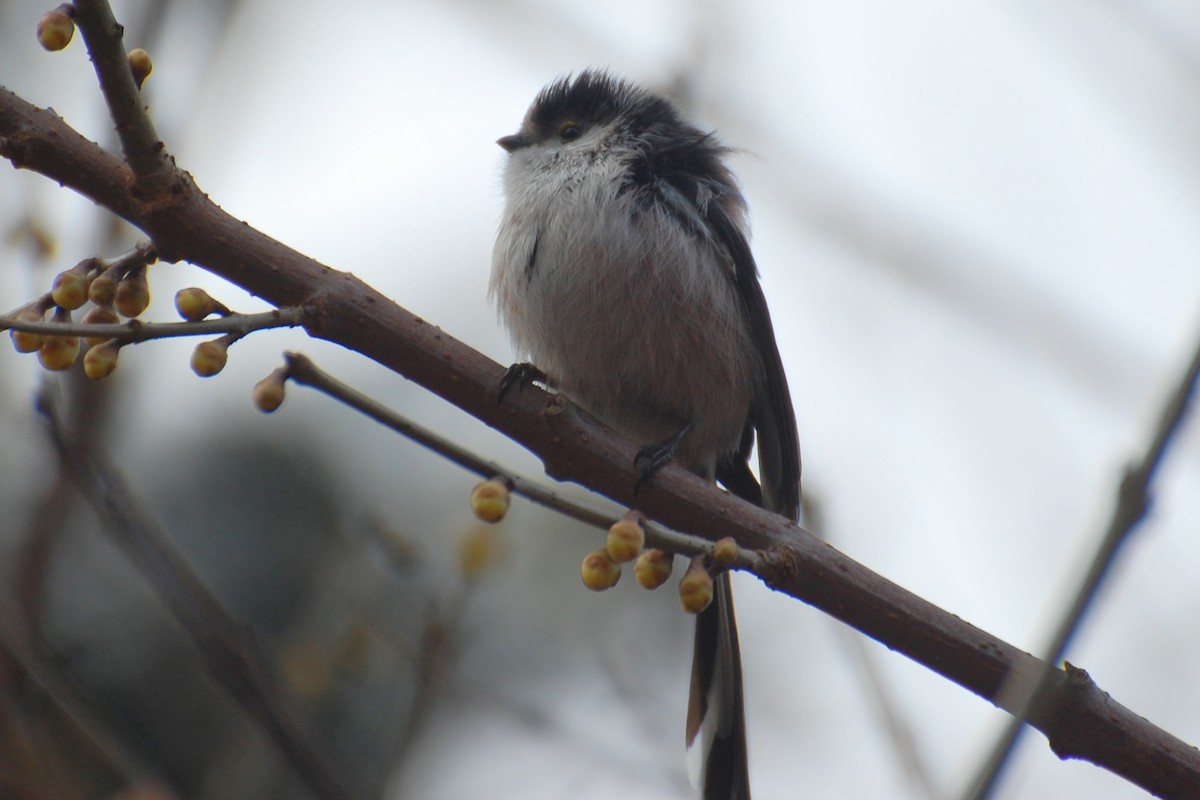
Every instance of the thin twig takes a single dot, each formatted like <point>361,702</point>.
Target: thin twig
<point>302,370</point>
<point>232,655</point>
<point>44,675</point>
<point>137,331</point>
<point>1132,503</point>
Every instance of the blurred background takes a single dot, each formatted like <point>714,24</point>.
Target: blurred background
<point>976,227</point>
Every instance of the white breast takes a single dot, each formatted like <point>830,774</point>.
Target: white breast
<point>629,314</point>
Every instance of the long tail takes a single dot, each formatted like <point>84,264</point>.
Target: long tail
<point>716,717</point>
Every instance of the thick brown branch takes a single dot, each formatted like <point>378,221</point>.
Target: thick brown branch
<point>185,225</point>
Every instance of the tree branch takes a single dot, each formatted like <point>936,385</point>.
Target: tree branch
<point>137,331</point>
<point>230,650</point>
<point>104,37</point>
<point>1133,502</point>
<point>302,370</point>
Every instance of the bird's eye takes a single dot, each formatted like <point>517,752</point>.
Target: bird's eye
<point>569,131</point>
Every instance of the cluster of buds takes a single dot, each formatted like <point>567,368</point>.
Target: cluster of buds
<point>115,289</point>
<point>601,569</point>
<point>118,289</point>
<point>626,537</point>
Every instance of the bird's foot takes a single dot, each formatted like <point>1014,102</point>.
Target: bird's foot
<point>652,458</point>
<point>519,376</point>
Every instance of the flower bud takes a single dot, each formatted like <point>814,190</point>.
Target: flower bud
<point>133,294</point>
<point>626,538</point>
<point>208,358</point>
<point>99,316</point>
<point>724,553</point>
<point>268,393</point>
<point>55,28</point>
<point>70,289</point>
<point>696,587</point>
<point>653,568</point>
<point>103,290</point>
<point>140,65</point>
<point>194,304</point>
<point>58,352</point>
<point>27,342</point>
<point>100,361</point>
<point>599,571</point>
<point>478,550</point>
<point>489,500</point>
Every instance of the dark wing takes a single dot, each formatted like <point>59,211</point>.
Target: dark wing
<point>734,471</point>
<point>686,177</point>
<point>772,416</point>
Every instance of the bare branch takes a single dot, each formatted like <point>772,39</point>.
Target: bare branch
<point>1132,503</point>
<point>104,37</point>
<point>137,331</point>
<point>230,651</point>
<point>302,370</point>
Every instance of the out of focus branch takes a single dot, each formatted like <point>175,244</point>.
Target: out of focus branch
<point>230,650</point>
<point>1132,503</point>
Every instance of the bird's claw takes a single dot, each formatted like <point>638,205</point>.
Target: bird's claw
<point>519,375</point>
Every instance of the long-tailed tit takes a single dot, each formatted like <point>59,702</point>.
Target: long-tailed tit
<point>622,270</point>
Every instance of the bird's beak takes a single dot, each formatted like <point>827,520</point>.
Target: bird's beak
<point>513,142</point>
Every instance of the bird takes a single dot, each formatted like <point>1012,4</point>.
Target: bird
<point>623,272</point>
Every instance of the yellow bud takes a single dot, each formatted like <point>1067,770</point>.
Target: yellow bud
<point>626,538</point>
<point>194,304</point>
<point>599,572</point>
<point>99,316</point>
<point>696,587</point>
<point>133,294</point>
<point>55,28</point>
<point>653,568</point>
<point>489,500</point>
<point>27,342</point>
<point>268,393</point>
<point>305,669</point>
<point>724,553</point>
<point>58,352</point>
<point>103,290</point>
<point>100,360</point>
<point>70,289</point>
<point>209,357</point>
<point>479,549</point>
<point>140,65</point>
